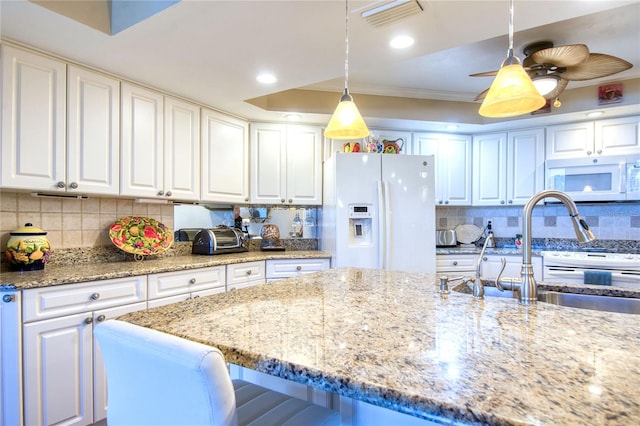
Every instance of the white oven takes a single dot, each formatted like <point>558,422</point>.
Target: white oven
<point>605,178</point>
<point>616,269</point>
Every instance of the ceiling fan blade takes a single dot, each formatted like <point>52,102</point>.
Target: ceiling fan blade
<point>562,84</point>
<point>562,56</point>
<point>598,65</point>
<point>484,74</point>
<point>481,95</point>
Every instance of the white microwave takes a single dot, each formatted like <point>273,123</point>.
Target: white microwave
<point>606,178</point>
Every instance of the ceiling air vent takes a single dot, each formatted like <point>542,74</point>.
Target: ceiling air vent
<point>385,12</point>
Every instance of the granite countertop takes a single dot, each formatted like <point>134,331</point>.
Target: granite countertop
<point>476,250</point>
<point>390,339</point>
<point>83,272</point>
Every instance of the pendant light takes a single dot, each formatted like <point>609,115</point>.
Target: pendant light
<point>512,92</point>
<point>346,121</point>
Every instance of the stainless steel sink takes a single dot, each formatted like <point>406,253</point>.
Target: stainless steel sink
<point>623,305</point>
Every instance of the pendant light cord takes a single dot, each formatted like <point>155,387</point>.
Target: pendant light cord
<point>511,58</point>
<point>346,49</point>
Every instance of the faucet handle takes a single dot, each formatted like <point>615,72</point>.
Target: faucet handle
<point>504,265</point>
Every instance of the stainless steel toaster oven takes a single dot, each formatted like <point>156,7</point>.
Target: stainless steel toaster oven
<point>219,240</point>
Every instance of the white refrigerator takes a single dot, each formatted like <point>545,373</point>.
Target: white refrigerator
<point>379,211</point>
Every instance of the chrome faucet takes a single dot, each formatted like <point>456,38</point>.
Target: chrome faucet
<point>526,285</point>
<point>477,284</point>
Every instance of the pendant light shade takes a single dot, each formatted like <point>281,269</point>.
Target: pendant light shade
<point>512,92</point>
<point>346,121</point>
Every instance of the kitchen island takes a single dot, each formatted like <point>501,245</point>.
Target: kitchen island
<point>392,340</point>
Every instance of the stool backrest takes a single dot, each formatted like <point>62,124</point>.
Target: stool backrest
<point>155,378</point>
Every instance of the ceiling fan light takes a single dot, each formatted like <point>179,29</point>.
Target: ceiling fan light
<point>511,93</point>
<point>545,84</point>
<point>346,121</point>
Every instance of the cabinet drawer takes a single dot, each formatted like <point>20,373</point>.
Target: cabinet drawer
<point>174,283</point>
<point>456,263</point>
<point>284,268</point>
<point>240,273</point>
<point>49,302</point>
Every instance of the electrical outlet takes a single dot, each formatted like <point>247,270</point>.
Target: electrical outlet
<point>490,222</point>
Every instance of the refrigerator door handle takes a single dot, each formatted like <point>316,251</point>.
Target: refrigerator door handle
<point>381,223</point>
<point>387,226</point>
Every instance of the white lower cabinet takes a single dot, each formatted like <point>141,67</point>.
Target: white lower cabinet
<point>456,264</point>
<point>491,265</point>
<point>62,374</point>
<point>284,268</point>
<point>10,358</point>
<point>247,274</point>
<point>173,287</point>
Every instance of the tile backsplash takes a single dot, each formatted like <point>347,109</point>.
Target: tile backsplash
<point>608,221</point>
<point>73,222</point>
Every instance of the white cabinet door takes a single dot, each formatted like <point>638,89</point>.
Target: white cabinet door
<point>489,169</point>
<point>225,158</point>
<point>10,358</point>
<point>453,165</point>
<point>571,140</point>
<point>181,150</point>
<point>491,265</point>
<point>525,165</point>
<point>508,168</point>
<point>286,164</point>
<point>58,381</point>
<point>240,275</point>
<point>268,172</point>
<point>285,268</point>
<point>141,154</point>
<point>99,373</point>
<point>459,264</point>
<point>33,121</point>
<point>93,133</point>
<point>303,152</point>
<point>618,136</point>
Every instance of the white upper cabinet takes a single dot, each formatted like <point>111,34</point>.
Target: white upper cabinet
<point>93,132</point>
<point>225,158</point>
<point>286,164</point>
<point>160,147</point>
<point>33,121</point>
<point>508,168</point>
<point>142,142</point>
<point>616,136</point>
<point>453,165</point>
<point>181,150</point>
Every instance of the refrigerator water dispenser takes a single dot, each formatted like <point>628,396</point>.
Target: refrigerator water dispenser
<point>360,218</point>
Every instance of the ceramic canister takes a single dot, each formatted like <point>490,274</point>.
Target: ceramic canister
<point>27,249</point>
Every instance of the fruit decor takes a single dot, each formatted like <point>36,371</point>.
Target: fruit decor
<point>28,249</point>
<point>141,236</point>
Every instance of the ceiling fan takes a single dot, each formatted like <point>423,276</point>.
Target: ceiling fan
<point>552,68</point>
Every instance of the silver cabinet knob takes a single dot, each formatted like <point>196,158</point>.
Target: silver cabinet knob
<point>455,263</point>
<point>249,272</point>
<point>61,184</point>
<point>439,201</point>
<point>510,201</point>
<point>101,318</point>
<point>290,200</point>
<point>485,258</point>
<point>168,194</point>
<point>73,185</point>
<point>282,200</point>
<point>599,151</point>
<point>160,193</point>
<point>589,152</point>
<point>446,202</point>
<point>88,320</point>
<point>8,298</point>
<point>95,296</point>
<point>246,200</point>
<point>298,268</point>
<point>192,281</point>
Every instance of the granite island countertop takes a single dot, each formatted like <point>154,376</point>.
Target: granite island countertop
<point>390,339</point>
<point>83,272</point>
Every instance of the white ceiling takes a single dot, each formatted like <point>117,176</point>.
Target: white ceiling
<point>210,51</point>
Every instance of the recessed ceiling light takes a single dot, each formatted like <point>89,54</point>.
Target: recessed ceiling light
<point>266,78</point>
<point>593,114</point>
<point>401,42</point>
<point>452,127</point>
<point>293,117</point>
